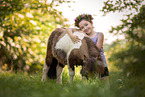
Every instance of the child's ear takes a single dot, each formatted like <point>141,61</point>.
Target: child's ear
<point>91,22</point>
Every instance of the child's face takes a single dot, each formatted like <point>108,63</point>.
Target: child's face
<point>86,26</point>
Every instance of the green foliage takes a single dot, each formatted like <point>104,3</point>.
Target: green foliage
<point>128,54</point>
<point>121,5</point>
<point>128,57</point>
<point>25,26</point>
<point>134,24</point>
<point>9,6</point>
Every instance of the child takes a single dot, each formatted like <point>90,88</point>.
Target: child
<point>85,24</point>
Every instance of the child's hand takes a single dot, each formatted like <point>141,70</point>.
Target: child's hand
<point>75,38</point>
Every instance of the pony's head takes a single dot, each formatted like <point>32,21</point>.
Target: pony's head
<point>92,67</point>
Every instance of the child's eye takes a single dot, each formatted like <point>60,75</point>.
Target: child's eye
<point>86,24</point>
<point>82,28</point>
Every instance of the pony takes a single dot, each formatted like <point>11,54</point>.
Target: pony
<point>62,51</point>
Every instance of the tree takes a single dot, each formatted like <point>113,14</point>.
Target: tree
<point>25,26</point>
<point>129,54</point>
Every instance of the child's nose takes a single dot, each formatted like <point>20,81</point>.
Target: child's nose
<point>85,28</point>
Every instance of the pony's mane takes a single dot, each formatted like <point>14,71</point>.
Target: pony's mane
<point>93,50</point>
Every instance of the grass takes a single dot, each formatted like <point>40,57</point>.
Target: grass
<point>24,85</point>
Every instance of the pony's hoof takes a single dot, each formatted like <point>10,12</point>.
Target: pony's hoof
<point>42,80</point>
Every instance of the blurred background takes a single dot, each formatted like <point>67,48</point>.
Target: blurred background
<point>25,26</point>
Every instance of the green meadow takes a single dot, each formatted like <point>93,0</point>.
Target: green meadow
<point>25,26</point>
<point>30,85</point>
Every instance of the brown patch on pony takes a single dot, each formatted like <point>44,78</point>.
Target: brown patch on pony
<point>75,58</point>
<point>53,38</point>
<point>60,54</point>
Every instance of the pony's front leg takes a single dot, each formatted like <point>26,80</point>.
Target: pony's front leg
<point>71,74</point>
<point>59,70</point>
<point>45,71</point>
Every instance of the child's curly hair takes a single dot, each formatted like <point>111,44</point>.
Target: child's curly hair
<point>79,18</point>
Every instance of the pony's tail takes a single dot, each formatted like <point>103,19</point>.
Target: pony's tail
<point>52,70</point>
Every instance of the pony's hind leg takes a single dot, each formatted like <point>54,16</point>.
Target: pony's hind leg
<point>45,71</point>
<point>59,70</point>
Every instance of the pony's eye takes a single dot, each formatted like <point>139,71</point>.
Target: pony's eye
<point>86,73</point>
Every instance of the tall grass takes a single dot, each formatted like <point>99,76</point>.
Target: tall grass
<point>30,85</point>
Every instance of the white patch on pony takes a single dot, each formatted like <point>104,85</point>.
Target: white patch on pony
<point>66,40</point>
